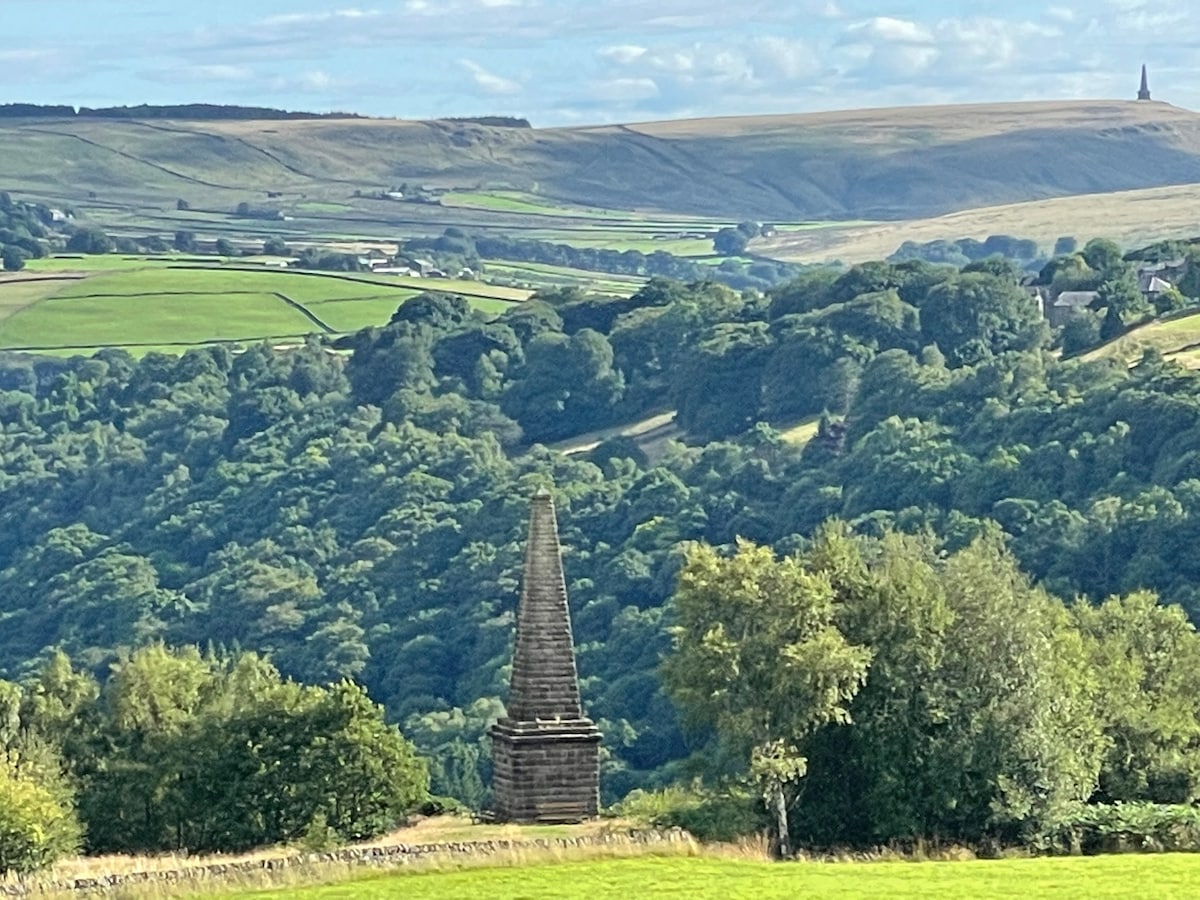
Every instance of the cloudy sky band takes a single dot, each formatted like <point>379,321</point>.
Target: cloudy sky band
<point>566,61</point>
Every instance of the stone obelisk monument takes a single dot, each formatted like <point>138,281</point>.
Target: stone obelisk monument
<point>545,752</point>
<point>1144,90</point>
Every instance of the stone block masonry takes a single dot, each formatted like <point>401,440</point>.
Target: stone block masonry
<point>545,752</point>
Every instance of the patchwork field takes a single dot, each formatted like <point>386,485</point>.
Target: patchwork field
<point>538,275</point>
<point>1096,878</point>
<point>82,304</point>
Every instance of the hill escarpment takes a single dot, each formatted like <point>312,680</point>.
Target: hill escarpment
<point>865,164</point>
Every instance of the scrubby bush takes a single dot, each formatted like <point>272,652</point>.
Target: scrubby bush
<point>1127,827</point>
<point>708,815</point>
<point>37,826</point>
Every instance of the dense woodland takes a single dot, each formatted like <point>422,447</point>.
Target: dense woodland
<point>23,228</point>
<point>357,512</point>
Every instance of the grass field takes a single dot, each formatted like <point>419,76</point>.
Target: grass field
<point>161,319</point>
<point>645,242</point>
<point>1097,878</point>
<point>354,315</point>
<point>143,303</point>
<point>113,262</point>
<point>539,275</point>
<point>801,433</point>
<point>1177,339</point>
<point>517,202</point>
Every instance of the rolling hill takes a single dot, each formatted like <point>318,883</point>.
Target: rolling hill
<point>891,164</point>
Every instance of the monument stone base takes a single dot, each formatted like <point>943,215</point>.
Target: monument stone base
<point>545,772</point>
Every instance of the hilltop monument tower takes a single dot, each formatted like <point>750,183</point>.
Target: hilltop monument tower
<point>545,751</point>
<point>1144,90</point>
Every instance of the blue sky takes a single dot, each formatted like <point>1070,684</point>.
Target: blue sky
<point>562,62</point>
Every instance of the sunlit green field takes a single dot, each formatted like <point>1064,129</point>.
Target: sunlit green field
<point>107,262</point>
<point>159,319</point>
<point>353,315</point>
<point>1177,339</point>
<point>644,242</point>
<point>540,275</point>
<point>1144,877</point>
<point>135,303</point>
<point>517,202</point>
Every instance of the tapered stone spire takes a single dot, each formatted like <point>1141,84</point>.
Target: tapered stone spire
<point>1144,90</point>
<point>544,680</point>
<point>545,752</point>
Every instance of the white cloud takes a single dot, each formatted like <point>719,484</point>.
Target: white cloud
<point>318,17</point>
<point>957,50</point>
<point>216,72</point>
<point>24,54</point>
<point>623,53</point>
<point>608,60</point>
<point>314,81</point>
<point>624,90</point>
<point>490,82</point>
<point>778,57</point>
<point>885,28</point>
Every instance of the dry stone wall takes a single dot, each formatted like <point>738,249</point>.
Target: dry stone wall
<point>382,857</point>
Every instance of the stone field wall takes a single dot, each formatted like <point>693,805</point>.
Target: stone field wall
<point>383,857</point>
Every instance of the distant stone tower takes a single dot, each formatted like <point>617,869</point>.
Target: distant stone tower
<point>545,752</point>
<point>1144,90</point>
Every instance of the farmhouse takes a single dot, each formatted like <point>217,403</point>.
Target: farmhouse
<point>1068,304</point>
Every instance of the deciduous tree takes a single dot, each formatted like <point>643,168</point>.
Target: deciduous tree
<point>759,658</point>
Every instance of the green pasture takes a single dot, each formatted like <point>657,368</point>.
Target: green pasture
<point>564,271</point>
<point>17,295</point>
<point>543,275</point>
<point>645,243</point>
<point>479,289</point>
<point>215,280</point>
<point>1177,338</point>
<point>356,314</point>
<point>109,262</point>
<point>528,204</point>
<point>159,319</point>
<point>141,303</point>
<point>320,206</point>
<point>697,878</point>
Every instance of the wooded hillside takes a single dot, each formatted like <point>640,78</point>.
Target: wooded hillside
<point>359,513</point>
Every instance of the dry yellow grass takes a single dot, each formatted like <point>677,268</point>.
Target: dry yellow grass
<point>1177,339</point>
<point>423,831</point>
<point>800,433</point>
<point>1131,218</point>
<point>541,845</point>
<point>951,122</point>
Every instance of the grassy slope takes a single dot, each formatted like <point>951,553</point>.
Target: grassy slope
<point>1177,338</point>
<point>1133,218</point>
<point>1149,877</point>
<point>862,164</point>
